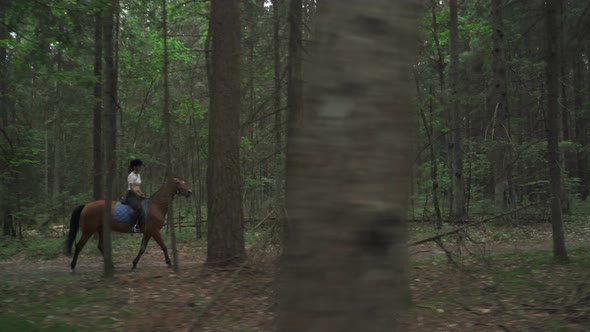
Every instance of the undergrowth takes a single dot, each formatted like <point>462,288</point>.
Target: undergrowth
<point>40,247</point>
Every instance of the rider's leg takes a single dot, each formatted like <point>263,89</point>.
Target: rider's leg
<point>135,203</point>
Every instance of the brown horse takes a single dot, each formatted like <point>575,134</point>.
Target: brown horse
<point>89,218</point>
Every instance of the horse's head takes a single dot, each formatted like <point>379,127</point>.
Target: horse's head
<point>181,188</point>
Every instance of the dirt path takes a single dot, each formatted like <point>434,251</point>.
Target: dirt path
<point>154,298</point>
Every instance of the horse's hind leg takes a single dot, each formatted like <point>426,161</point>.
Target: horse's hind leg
<point>83,239</point>
<point>158,239</point>
<point>144,242</point>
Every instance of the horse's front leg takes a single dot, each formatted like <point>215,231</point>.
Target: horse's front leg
<point>144,242</point>
<point>158,238</point>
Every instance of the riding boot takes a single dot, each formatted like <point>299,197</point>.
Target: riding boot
<point>135,222</point>
<point>141,217</point>
<point>139,220</point>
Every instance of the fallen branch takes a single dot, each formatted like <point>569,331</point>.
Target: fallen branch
<point>420,252</point>
<point>541,308</point>
<point>456,230</point>
<point>265,218</point>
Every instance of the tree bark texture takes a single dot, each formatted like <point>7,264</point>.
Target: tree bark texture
<point>440,65</point>
<point>3,66</point>
<point>552,76</point>
<point>348,178</point>
<point>110,131</point>
<point>501,150</point>
<point>279,205</point>
<point>97,119</point>
<point>166,120</point>
<point>225,243</point>
<point>456,117</point>
<point>428,128</point>
<point>294,85</point>
<point>581,120</point>
<point>295,88</point>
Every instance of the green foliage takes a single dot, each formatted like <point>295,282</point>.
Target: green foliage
<point>190,110</point>
<point>247,148</point>
<point>569,146</point>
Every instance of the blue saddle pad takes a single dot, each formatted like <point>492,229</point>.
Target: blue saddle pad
<point>124,213</point>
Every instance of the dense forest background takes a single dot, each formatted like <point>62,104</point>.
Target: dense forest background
<point>481,102</point>
<point>255,103</point>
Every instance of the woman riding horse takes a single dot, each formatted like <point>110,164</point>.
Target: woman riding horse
<point>89,219</point>
<point>134,195</point>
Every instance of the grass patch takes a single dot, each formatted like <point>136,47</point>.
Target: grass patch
<point>35,306</point>
<point>38,248</point>
<point>15,323</point>
<point>578,206</point>
<point>187,235</point>
<point>526,290</point>
<point>44,248</point>
<point>41,247</point>
<point>10,247</point>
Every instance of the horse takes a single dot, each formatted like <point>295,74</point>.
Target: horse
<point>89,219</point>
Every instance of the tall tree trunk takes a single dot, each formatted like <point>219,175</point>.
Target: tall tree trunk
<point>57,129</point>
<point>501,151</point>
<point>428,127</point>
<point>194,147</point>
<point>294,87</point>
<point>225,242</point>
<point>277,106</point>
<point>97,120</point>
<point>4,108</point>
<point>110,131</point>
<point>349,173</point>
<point>456,116</point>
<point>552,74</point>
<point>568,158</point>
<point>295,80</point>
<point>440,70</point>
<point>581,123</point>
<point>120,177</point>
<point>166,120</point>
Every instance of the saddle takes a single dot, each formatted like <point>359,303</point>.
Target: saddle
<point>125,214</point>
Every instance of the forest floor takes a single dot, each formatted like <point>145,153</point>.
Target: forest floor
<point>502,278</point>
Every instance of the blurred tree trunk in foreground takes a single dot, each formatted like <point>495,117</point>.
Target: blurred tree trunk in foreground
<point>348,180</point>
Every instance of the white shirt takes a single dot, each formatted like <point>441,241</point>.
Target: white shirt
<point>134,178</point>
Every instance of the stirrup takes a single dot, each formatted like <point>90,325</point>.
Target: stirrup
<point>136,229</point>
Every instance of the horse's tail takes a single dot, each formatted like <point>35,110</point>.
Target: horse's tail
<point>74,226</point>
